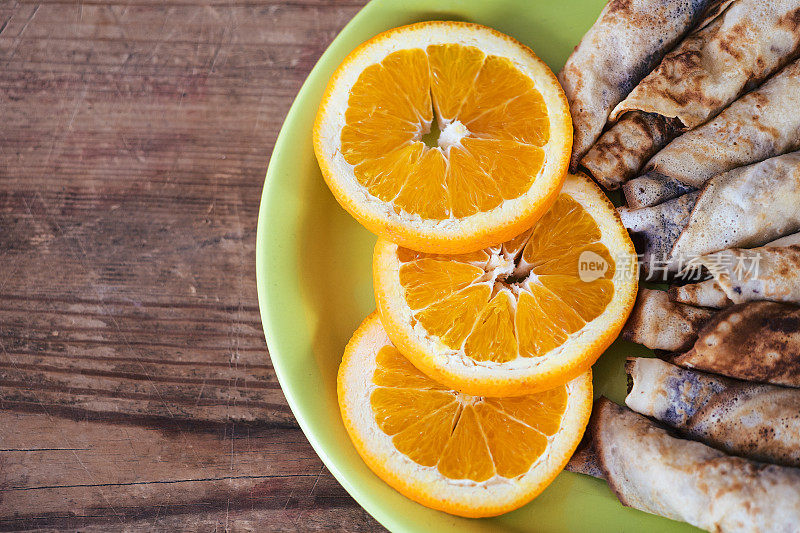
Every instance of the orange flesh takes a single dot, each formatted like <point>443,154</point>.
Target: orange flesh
<point>464,437</point>
<point>521,299</point>
<point>494,124</point>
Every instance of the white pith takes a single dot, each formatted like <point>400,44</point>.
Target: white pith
<point>451,135</point>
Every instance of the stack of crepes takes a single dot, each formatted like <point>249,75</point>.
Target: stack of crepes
<point>718,444</point>
<point>692,107</point>
<point>721,446</point>
<point>711,432</point>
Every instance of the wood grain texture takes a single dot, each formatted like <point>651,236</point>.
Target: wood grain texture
<point>136,393</point>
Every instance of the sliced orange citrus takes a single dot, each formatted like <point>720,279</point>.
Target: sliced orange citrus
<point>504,138</point>
<point>466,455</point>
<point>524,316</point>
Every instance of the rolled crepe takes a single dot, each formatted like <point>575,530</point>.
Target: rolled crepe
<point>710,293</point>
<point>713,66</point>
<point>756,341</point>
<point>654,231</point>
<point>618,155</point>
<point>742,208</point>
<point>623,149</point>
<point>745,207</point>
<point>757,274</point>
<point>710,69</point>
<point>650,470</point>
<point>653,189</point>
<point>626,41</point>
<point>760,422</point>
<point>743,275</point>
<point>757,126</point>
<point>707,293</point>
<point>661,324</point>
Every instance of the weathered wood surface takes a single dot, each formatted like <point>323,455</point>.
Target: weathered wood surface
<point>136,392</point>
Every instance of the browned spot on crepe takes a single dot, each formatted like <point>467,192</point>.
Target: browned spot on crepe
<point>755,341</point>
<point>791,21</point>
<point>623,6</point>
<point>622,150</point>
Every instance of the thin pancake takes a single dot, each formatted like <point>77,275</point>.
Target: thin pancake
<point>771,272</point>
<point>660,324</point>
<point>652,189</point>
<point>617,156</point>
<point>766,273</point>
<point>626,41</point>
<point>650,470</point>
<point>707,293</point>
<point>755,127</point>
<point>584,460</point>
<point>760,422</point>
<point>755,341</point>
<point>710,69</point>
<point>745,207</point>
<point>654,231</point>
<point>713,66</point>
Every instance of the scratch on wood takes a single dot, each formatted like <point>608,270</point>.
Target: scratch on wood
<point>18,38</point>
<point>321,468</point>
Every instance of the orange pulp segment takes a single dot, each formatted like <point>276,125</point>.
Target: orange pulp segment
<point>464,437</point>
<point>493,124</point>
<point>521,299</point>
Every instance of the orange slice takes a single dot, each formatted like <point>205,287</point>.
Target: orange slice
<point>465,455</point>
<point>496,157</point>
<point>527,315</point>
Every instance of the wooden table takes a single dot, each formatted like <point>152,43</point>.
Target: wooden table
<point>136,392</point>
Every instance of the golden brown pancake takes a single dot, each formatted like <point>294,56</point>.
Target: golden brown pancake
<point>627,40</point>
<point>757,421</point>
<point>755,341</point>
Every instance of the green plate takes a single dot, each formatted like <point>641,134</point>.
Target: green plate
<point>315,282</point>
